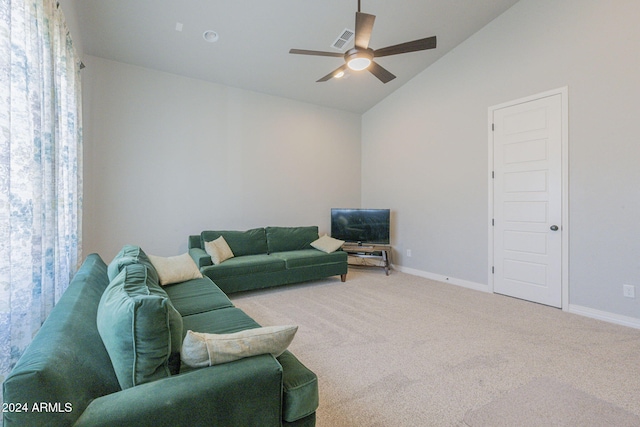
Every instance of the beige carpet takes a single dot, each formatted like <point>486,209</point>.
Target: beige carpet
<point>548,402</point>
<point>401,350</point>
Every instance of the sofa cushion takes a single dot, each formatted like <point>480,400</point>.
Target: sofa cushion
<point>140,328</point>
<point>249,264</point>
<point>197,296</point>
<point>218,250</point>
<point>250,242</point>
<point>175,269</point>
<point>309,257</point>
<point>130,254</point>
<point>327,244</point>
<point>300,388</point>
<point>201,349</point>
<point>280,239</point>
<point>222,321</point>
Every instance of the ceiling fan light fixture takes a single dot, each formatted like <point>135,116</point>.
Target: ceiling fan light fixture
<point>359,64</point>
<point>361,56</point>
<point>359,60</point>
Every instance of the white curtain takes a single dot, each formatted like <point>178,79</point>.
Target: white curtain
<point>40,169</point>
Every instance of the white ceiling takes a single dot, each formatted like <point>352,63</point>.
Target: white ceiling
<point>255,37</point>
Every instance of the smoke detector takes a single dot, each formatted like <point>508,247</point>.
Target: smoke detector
<point>210,36</point>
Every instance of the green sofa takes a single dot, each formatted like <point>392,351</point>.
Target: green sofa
<point>66,377</point>
<point>265,257</point>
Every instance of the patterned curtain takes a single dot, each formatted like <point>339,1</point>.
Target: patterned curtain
<point>40,169</point>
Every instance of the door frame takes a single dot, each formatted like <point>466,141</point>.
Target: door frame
<point>564,94</point>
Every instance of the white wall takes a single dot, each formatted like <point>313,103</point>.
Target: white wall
<point>425,147</point>
<point>167,156</point>
<point>71,18</point>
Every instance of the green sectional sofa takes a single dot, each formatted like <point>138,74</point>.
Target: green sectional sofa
<point>265,257</point>
<point>75,372</point>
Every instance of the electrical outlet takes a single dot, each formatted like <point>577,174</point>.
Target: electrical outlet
<point>409,252</point>
<point>629,291</point>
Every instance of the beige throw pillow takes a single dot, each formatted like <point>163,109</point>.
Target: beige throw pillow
<point>200,349</point>
<point>327,244</point>
<point>219,250</point>
<point>175,269</point>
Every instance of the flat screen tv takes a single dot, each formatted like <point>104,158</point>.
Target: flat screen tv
<point>360,225</point>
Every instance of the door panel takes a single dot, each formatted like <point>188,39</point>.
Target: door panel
<point>527,190</point>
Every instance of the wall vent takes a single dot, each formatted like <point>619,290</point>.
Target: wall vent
<point>345,37</point>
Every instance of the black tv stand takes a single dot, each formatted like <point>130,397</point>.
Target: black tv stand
<point>368,250</point>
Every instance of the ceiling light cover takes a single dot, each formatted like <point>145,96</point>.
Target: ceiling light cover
<point>358,59</point>
<point>210,36</point>
<point>359,64</point>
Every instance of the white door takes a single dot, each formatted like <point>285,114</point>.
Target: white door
<point>527,205</point>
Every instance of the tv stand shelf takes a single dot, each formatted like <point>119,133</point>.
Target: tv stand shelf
<point>368,250</point>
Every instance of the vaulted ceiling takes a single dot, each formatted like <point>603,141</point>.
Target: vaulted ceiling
<point>254,39</point>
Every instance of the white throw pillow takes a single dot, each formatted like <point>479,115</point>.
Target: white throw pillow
<point>327,244</point>
<point>219,250</point>
<point>200,349</point>
<point>175,269</point>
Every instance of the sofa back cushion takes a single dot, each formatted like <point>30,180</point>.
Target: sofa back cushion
<point>281,239</point>
<point>140,328</point>
<point>66,361</point>
<point>130,254</point>
<point>250,242</point>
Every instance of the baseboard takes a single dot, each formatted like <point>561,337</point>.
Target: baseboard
<point>440,278</point>
<point>606,316</point>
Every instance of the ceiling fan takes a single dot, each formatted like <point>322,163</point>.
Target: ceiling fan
<point>360,57</point>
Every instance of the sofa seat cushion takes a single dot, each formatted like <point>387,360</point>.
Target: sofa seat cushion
<point>300,388</point>
<point>223,321</point>
<point>309,257</point>
<point>250,242</point>
<point>249,264</point>
<point>139,327</point>
<point>197,296</point>
<point>280,239</point>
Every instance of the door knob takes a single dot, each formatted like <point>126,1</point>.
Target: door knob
<point>554,228</point>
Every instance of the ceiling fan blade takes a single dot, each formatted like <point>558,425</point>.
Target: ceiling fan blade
<point>364,26</point>
<point>316,53</point>
<point>332,74</point>
<point>413,46</point>
<point>381,73</point>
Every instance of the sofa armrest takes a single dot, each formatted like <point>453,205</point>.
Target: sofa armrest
<point>201,258</point>
<point>241,393</point>
<point>194,241</point>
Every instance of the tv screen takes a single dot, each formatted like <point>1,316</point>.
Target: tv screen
<point>360,225</point>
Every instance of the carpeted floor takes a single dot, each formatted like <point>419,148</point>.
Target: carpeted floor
<point>548,402</point>
<point>401,350</point>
